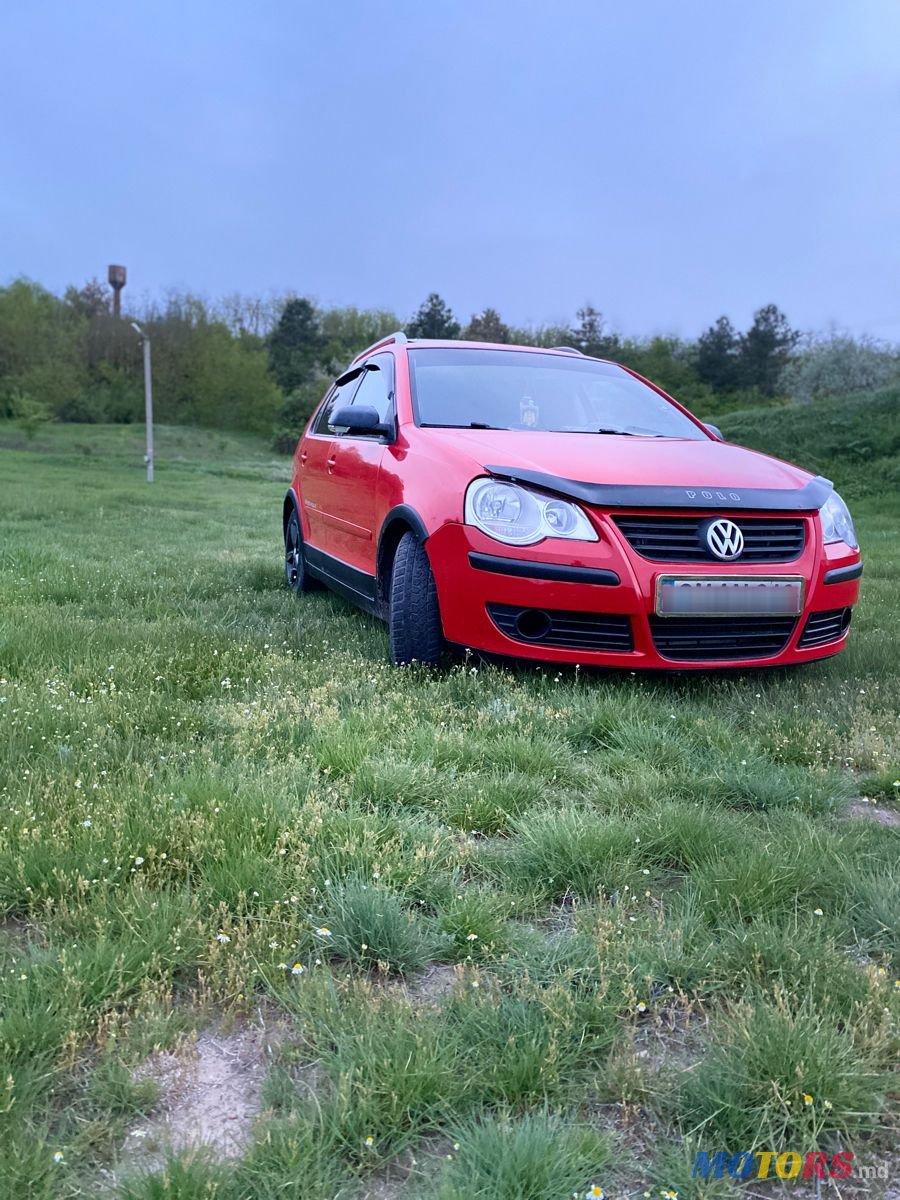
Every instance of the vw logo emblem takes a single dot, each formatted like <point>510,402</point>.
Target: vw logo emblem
<point>724,539</point>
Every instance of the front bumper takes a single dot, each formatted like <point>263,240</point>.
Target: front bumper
<point>593,603</point>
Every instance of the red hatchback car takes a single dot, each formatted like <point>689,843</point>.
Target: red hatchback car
<point>542,504</point>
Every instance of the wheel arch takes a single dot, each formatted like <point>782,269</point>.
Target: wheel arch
<point>400,520</point>
<point>291,504</point>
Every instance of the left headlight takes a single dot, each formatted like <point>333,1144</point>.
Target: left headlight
<point>521,517</point>
<point>837,524</point>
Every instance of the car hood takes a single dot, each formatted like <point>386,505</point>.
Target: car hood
<point>609,469</point>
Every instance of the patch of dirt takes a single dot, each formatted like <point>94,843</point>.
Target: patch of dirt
<point>209,1095</point>
<point>390,1187</point>
<point>868,810</point>
<point>675,1040</point>
<point>431,985</point>
<point>667,1044</point>
<point>408,1170</point>
<point>16,931</point>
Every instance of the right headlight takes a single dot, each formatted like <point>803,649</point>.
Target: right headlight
<point>837,524</point>
<point>519,516</point>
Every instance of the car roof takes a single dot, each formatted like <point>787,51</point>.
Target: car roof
<point>453,343</point>
<point>401,340</point>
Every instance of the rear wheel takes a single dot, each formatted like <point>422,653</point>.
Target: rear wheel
<point>414,620</point>
<point>297,576</point>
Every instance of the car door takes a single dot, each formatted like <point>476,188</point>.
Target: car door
<point>355,463</point>
<point>316,464</point>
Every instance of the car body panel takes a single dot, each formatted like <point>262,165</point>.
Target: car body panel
<point>352,496</point>
<point>599,458</point>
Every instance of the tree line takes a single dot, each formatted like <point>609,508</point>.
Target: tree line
<point>262,364</point>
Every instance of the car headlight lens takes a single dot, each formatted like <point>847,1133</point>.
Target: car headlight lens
<point>837,524</point>
<point>521,517</point>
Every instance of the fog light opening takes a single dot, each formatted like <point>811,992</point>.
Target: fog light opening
<point>845,619</point>
<point>532,624</point>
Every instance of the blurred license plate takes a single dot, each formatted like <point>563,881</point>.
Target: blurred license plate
<point>727,596</point>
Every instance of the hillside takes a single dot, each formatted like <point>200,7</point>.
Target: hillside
<point>854,441</point>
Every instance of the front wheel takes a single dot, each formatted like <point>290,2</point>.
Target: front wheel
<point>414,620</point>
<point>295,572</point>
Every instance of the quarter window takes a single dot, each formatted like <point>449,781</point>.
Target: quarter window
<point>375,390</point>
<point>339,396</point>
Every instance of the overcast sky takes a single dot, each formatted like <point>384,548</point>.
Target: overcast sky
<point>666,161</point>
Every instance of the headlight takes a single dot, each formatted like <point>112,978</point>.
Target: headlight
<point>521,517</point>
<point>837,524</point>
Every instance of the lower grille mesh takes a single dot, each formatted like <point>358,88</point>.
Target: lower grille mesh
<point>564,630</point>
<point>720,638</point>
<point>824,627</point>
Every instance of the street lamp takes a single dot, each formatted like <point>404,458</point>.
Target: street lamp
<point>148,399</point>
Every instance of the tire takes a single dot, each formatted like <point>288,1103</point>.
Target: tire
<point>296,574</point>
<point>414,619</point>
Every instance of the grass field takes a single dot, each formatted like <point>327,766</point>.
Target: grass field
<point>500,933</point>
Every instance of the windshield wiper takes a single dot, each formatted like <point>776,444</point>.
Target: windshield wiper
<point>617,432</point>
<point>470,425</point>
<point>623,432</point>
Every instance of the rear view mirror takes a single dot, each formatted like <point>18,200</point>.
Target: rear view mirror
<point>714,430</point>
<point>360,419</point>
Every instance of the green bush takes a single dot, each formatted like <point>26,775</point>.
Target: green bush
<point>29,414</point>
<point>295,412</point>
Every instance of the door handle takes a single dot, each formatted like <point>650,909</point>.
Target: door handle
<point>330,463</point>
<point>303,456</point>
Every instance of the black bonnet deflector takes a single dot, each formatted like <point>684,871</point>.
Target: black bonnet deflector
<point>638,495</point>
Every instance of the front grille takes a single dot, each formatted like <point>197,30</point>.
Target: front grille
<point>822,627</point>
<point>720,638</point>
<point>565,630</point>
<point>680,539</point>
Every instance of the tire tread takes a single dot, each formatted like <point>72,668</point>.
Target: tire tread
<point>414,619</point>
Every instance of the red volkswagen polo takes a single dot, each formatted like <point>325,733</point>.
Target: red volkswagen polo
<point>541,504</point>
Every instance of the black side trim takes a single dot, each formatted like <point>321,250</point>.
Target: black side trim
<point>628,495</point>
<point>844,574</point>
<point>409,517</point>
<point>356,585</point>
<point>556,572</point>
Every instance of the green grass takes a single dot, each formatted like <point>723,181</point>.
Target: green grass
<point>531,1157</point>
<point>855,441</point>
<point>199,774</point>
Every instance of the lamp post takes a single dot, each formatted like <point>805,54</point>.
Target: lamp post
<point>148,399</point>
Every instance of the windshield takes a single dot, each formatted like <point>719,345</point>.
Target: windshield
<point>553,393</point>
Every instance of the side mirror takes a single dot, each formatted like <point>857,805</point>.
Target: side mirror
<point>360,419</point>
<point>714,430</point>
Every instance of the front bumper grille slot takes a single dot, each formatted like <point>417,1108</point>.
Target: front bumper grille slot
<point>824,627</point>
<point>688,639</point>
<point>679,538</point>
<point>563,630</point>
